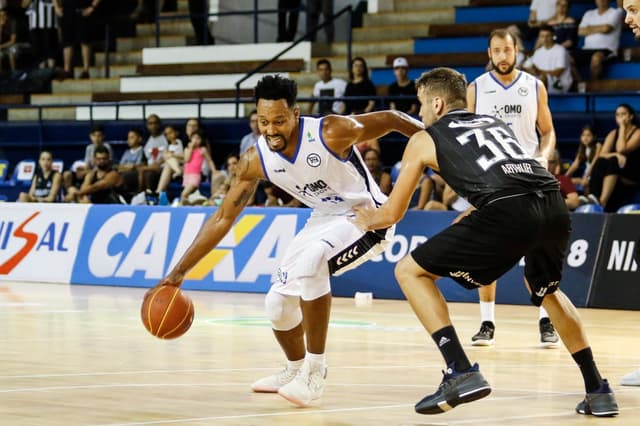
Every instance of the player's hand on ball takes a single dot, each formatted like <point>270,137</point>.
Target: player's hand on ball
<point>173,279</point>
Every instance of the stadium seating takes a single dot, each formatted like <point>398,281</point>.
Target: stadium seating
<point>630,208</point>
<point>589,208</point>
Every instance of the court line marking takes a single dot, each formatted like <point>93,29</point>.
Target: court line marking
<point>346,410</point>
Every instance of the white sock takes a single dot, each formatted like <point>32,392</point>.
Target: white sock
<point>316,361</point>
<point>295,365</point>
<point>542,313</point>
<point>488,311</point>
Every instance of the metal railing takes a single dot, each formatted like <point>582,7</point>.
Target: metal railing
<point>348,9</point>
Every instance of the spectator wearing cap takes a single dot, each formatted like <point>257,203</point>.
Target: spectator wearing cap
<point>403,86</point>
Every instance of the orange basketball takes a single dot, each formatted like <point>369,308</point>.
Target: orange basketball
<point>167,312</point>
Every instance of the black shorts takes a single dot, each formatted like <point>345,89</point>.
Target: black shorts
<point>484,245</point>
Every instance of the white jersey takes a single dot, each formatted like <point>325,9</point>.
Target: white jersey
<point>318,177</point>
<point>516,105</point>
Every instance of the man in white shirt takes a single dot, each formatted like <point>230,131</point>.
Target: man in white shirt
<point>601,31</point>
<point>550,63</point>
<point>330,87</point>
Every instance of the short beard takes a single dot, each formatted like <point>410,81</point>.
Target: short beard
<point>497,69</point>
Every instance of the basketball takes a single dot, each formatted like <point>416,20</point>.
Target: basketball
<point>167,312</point>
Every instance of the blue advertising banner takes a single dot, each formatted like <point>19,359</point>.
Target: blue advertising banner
<point>136,246</point>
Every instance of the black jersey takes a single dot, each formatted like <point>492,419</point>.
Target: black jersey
<point>43,184</point>
<point>481,159</point>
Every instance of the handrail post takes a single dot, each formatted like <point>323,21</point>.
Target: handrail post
<point>238,99</point>
<point>157,23</point>
<point>255,21</point>
<point>349,37</point>
<point>107,37</point>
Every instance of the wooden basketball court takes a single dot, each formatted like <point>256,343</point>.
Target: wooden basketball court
<point>75,355</point>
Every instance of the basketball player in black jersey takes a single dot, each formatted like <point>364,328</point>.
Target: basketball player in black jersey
<point>520,212</point>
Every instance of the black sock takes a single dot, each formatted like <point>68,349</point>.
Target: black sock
<point>590,373</point>
<point>450,348</point>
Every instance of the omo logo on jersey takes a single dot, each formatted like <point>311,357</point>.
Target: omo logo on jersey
<point>506,112</point>
<point>314,188</point>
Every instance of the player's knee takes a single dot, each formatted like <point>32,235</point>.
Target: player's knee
<point>283,311</point>
<point>403,270</point>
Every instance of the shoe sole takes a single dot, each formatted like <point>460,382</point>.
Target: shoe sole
<point>599,414</point>
<point>483,342</point>
<point>444,406</point>
<point>264,390</point>
<point>549,345</point>
<point>295,401</point>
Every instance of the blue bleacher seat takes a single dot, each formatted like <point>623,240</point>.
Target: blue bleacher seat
<point>630,208</point>
<point>589,208</point>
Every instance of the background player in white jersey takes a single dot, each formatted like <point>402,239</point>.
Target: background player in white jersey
<point>315,161</point>
<point>521,101</point>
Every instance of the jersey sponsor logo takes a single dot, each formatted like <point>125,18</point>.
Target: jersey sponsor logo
<point>488,92</point>
<point>348,256</point>
<point>313,188</point>
<point>504,112</point>
<point>279,170</point>
<point>523,91</point>
<point>313,160</point>
<point>20,241</point>
<point>310,137</point>
<point>621,256</point>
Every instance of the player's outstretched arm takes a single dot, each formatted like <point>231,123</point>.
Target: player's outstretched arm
<point>216,227</point>
<point>341,132</point>
<point>419,153</point>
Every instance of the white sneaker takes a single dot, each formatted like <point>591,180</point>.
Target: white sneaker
<point>272,383</point>
<point>306,387</point>
<point>631,379</point>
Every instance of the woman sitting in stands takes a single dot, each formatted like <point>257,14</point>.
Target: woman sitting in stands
<point>46,182</point>
<point>618,165</point>
<point>588,151</point>
<point>173,157</point>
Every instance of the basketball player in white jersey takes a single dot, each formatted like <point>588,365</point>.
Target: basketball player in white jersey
<point>520,100</point>
<point>314,160</point>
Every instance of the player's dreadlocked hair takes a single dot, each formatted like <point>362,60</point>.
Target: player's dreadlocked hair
<point>274,87</point>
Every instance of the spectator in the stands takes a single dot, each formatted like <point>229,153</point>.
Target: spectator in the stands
<point>567,188</point>
<point>550,63</point>
<point>132,159</point>
<point>314,7</point>
<point>360,85</point>
<point>45,184</point>
<point>618,165</point>
<point>330,87</point>
<point>43,31</point>
<point>601,30</point>
<point>588,150</point>
<point>173,158</point>
<point>75,176</point>
<point>11,47</point>
<point>154,150</point>
<point>565,28</point>
<point>199,13</point>
<point>450,201</point>
<point>250,138</point>
<point>288,13</point>
<point>371,158</point>
<point>103,184</point>
<point>540,12</point>
<point>231,164</point>
<point>403,86</point>
<point>195,154</point>
<point>76,19</point>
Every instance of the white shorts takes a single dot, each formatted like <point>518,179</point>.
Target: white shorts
<point>327,245</point>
